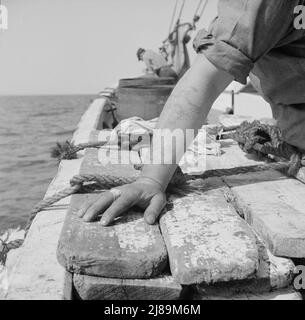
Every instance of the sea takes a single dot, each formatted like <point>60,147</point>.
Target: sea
<point>29,127</point>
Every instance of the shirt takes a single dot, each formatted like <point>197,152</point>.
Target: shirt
<point>257,38</point>
<point>153,60</point>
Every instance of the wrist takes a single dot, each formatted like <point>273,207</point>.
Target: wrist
<point>143,178</point>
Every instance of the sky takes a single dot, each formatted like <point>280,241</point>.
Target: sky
<point>82,46</point>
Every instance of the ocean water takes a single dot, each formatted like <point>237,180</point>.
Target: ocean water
<point>29,127</point>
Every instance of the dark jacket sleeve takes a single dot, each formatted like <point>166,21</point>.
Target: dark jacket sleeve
<point>243,32</point>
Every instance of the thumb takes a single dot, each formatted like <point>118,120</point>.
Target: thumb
<point>155,207</point>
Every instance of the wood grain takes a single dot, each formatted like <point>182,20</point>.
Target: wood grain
<point>273,205</point>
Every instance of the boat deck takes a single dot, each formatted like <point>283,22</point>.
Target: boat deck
<point>234,236</point>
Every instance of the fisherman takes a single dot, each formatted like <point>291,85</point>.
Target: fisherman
<point>255,38</point>
<point>156,63</point>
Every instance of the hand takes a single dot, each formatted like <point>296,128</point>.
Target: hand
<point>144,193</point>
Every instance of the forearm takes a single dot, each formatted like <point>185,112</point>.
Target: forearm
<point>187,108</point>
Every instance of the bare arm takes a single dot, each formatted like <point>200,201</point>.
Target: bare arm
<point>187,108</point>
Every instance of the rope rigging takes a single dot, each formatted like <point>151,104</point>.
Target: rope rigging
<point>181,11</point>
<point>197,16</point>
<point>203,8</point>
<point>171,31</point>
<point>173,17</point>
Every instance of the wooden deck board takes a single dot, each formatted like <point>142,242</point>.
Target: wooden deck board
<point>206,239</point>
<point>284,294</point>
<point>273,205</point>
<point>231,157</point>
<point>92,163</point>
<point>96,288</point>
<point>128,249</point>
<point>274,273</point>
<point>37,275</point>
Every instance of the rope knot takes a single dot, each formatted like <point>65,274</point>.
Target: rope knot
<point>262,139</point>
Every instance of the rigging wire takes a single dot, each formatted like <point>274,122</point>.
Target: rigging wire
<point>203,8</point>
<point>181,11</point>
<point>197,16</point>
<point>173,17</point>
<point>198,7</point>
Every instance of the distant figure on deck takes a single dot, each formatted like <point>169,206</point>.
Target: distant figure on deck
<point>156,63</point>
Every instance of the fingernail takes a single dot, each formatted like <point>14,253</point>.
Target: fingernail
<point>103,222</point>
<point>150,220</point>
<point>86,219</point>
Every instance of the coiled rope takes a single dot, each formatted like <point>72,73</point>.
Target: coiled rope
<point>262,139</point>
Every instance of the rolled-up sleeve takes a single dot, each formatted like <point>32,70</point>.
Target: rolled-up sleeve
<point>243,32</point>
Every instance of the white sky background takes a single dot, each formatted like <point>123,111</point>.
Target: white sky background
<point>82,46</point>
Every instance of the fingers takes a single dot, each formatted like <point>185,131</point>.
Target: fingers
<point>81,212</point>
<point>90,212</point>
<point>155,207</point>
<point>129,196</point>
<point>122,204</point>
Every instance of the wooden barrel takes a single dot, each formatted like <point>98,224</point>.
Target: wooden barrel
<point>146,81</point>
<point>145,102</point>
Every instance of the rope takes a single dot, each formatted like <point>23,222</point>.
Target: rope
<point>279,166</point>
<point>203,8</point>
<point>68,151</point>
<point>5,248</point>
<point>197,16</point>
<point>180,13</point>
<point>198,7</point>
<point>262,140</point>
<point>173,17</point>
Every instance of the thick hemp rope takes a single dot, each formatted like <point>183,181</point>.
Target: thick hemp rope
<point>262,140</point>
<point>68,151</point>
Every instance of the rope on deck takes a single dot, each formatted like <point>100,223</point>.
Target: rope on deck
<point>252,137</point>
<point>5,248</point>
<point>263,140</point>
<point>68,151</point>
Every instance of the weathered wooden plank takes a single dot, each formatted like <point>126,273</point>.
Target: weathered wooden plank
<point>206,240</point>
<point>90,120</point>
<point>93,163</point>
<point>273,273</point>
<point>68,286</point>
<point>129,248</point>
<point>284,294</point>
<point>273,205</point>
<point>96,288</point>
<point>231,157</point>
<point>37,275</point>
